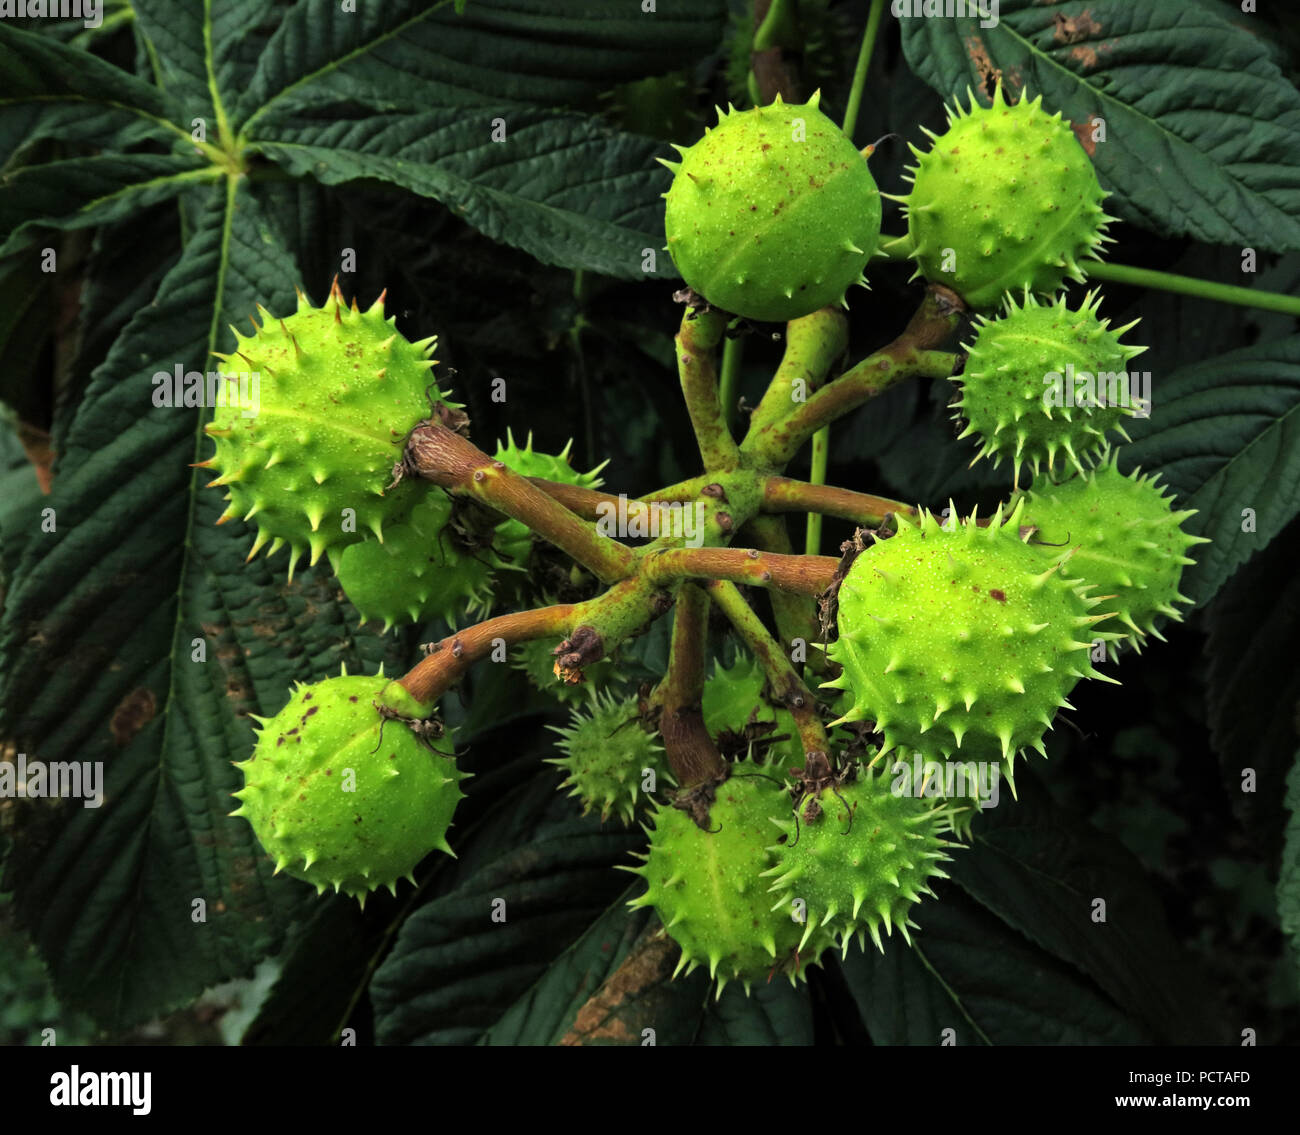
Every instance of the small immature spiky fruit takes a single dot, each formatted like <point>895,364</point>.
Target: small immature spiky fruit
<point>773,214</point>
<point>1122,536</point>
<point>1042,380</point>
<point>607,755</point>
<point>1005,200</point>
<point>859,856</point>
<point>340,796</point>
<point>736,711</point>
<point>338,391</point>
<point>960,640</point>
<point>530,462</point>
<point>419,572</point>
<point>707,889</point>
<point>537,660</point>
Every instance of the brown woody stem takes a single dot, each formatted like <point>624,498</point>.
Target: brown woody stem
<point>449,659</point>
<point>805,575</point>
<point>444,457</point>
<point>689,748</point>
<point>782,494</point>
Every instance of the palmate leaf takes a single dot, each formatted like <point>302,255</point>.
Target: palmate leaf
<point>1225,435</point>
<point>414,54</point>
<point>98,643</point>
<point>1202,126</point>
<point>1252,685</point>
<point>55,91</point>
<point>561,187</point>
<point>450,107</point>
<point>1288,881</point>
<point>1041,870</point>
<point>972,980</point>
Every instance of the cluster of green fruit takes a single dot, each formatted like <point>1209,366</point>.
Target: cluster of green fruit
<point>342,389</point>
<point>957,638</point>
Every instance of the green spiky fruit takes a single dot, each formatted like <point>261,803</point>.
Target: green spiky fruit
<point>707,889</point>
<point>960,639</point>
<point>607,755</point>
<point>1120,534</point>
<point>773,213</point>
<point>1043,380</point>
<point>657,106</point>
<point>341,797</point>
<point>859,857</point>
<point>537,660</point>
<point>513,536</point>
<point>419,572</point>
<point>338,391</point>
<point>1006,199</point>
<point>734,704</point>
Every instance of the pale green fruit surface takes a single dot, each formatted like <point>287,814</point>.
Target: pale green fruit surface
<point>773,214</point>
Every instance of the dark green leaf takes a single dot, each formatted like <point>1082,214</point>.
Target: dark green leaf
<point>545,1013</point>
<point>1041,871</point>
<point>82,192</point>
<point>417,55</point>
<point>201,51</point>
<point>1288,881</point>
<point>325,968</point>
<point>99,628</point>
<point>80,93</point>
<point>1225,435</point>
<point>559,186</point>
<point>454,971</point>
<point>1253,685</point>
<point>973,980</point>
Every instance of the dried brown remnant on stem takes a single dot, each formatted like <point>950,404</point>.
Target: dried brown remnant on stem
<point>829,603</point>
<point>581,649</point>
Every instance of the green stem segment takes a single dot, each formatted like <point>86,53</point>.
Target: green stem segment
<point>697,342</point>
<point>733,350</point>
<point>772,443</point>
<point>797,616</point>
<point>1190,286</point>
<point>864,63</point>
<point>787,687</point>
<point>872,376</point>
<point>898,248</point>
<point>812,346</point>
<point>818,464</point>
